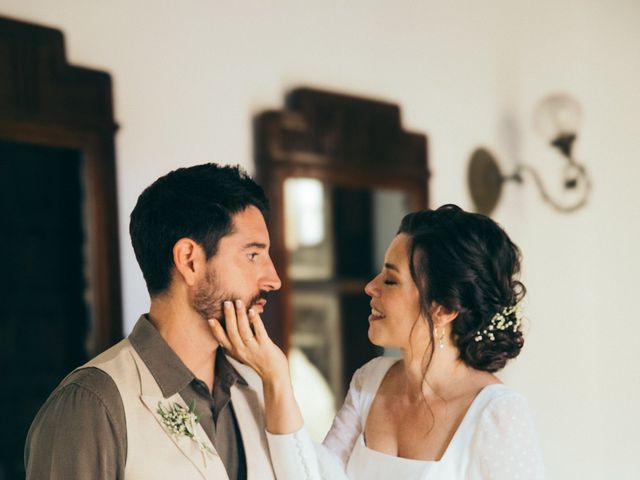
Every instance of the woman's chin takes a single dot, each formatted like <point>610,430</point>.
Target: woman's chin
<point>379,339</point>
<point>375,336</point>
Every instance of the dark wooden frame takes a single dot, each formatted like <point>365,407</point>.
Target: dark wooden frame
<point>341,140</point>
<point>45,101</point>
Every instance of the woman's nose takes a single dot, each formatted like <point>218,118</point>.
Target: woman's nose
<point>371,288</point>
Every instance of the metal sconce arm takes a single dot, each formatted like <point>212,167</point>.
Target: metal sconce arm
<point>583,177</point>
<point>557,119</point>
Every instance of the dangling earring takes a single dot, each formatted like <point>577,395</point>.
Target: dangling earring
<point>439,338</point>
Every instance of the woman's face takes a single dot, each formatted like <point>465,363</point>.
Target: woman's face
<point>395,301</point>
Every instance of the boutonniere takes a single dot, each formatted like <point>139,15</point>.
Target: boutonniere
<point>182,422</point>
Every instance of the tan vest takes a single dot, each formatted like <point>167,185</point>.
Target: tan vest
<point>152,452</point>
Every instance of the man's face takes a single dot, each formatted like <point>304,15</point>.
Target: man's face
<point>241,268</point>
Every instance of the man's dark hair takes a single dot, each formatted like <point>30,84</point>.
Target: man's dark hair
<point>196,202</point>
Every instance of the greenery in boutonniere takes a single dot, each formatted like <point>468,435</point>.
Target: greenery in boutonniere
<point>182,422</point>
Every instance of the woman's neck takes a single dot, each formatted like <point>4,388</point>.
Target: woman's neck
<point>445,372</point>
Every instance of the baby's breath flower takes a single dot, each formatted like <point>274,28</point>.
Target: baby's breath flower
<point>181,421</point>
<point>501,321</point>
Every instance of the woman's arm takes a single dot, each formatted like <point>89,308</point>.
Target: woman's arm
<point>294,456</point>
<point>506,445</point>
<point>305,460</point>
<point>246,339</point>
<point>347,425</point>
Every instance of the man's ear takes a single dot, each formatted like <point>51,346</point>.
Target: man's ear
<point>441,315</point>
<point>189,260</point>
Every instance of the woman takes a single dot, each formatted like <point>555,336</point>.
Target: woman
<point>447,297</point>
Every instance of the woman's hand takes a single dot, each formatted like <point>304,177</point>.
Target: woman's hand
<point>246,340</point>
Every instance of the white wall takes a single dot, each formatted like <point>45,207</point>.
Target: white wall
<point>188,76</point>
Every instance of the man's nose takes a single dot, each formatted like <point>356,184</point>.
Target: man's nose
<point>271,280</point>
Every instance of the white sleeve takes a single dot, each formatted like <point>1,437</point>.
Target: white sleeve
<point>295,456</point>
<point>347,425</point>
<point>506,446</point>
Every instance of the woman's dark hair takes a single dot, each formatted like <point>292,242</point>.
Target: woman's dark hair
<point>467,263</point>
<point>196,202</point>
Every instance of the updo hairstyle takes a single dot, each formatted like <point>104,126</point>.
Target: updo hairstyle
<point>467,263</point>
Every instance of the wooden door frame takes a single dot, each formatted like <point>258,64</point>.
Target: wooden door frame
<point>45,101</point>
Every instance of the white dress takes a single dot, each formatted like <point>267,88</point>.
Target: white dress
<point>496,440</point>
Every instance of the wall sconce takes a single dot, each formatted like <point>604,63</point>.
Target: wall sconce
<point>557,119</point>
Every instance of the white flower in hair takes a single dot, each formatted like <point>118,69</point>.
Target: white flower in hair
<point>508,318</point>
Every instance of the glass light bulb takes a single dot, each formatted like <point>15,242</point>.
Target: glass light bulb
<point>557,115</point>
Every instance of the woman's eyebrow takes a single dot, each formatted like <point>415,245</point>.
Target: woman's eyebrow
<point>391,266</point>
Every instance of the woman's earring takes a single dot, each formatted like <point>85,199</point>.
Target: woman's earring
<point>439,337</point>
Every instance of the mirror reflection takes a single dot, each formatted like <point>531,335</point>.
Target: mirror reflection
<point>335,238</point>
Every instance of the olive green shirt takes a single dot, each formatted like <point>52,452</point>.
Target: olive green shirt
<point>80,432</point>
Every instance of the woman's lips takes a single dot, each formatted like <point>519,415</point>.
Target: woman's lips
<point>375,315</point>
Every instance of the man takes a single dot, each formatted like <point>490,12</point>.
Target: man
<point>165,402</point>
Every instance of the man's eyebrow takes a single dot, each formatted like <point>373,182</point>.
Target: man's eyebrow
<point>254,245</point>
<point>391,266</point>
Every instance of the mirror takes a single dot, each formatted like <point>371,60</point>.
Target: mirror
<point>340,173</point>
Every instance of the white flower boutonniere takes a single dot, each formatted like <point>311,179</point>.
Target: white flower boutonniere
<point>182,422</point>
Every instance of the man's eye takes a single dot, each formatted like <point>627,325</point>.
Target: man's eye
<point>252,256</point>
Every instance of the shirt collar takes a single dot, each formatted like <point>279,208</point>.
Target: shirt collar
<point>171,374</point>
<point>226,374</point>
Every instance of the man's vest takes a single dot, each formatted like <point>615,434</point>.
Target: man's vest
<point>152,452</point>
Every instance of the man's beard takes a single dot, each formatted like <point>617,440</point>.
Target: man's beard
<point>208,298</point>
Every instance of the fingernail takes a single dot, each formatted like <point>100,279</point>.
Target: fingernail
<point>252,311</point>
<point>211,321</point>
<point>227,303</point>
<point>238,303</point>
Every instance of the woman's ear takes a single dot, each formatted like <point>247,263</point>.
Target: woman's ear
<point>189,260</point>
<point>441,315</point>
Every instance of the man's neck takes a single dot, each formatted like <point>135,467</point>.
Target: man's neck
<point>188,335</point>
